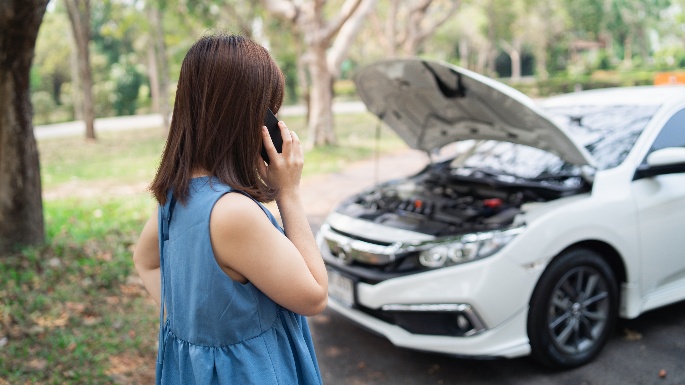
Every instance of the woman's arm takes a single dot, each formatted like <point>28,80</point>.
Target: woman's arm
<point>146,258</point>
<point>245,241</point>
<point>289,269</point>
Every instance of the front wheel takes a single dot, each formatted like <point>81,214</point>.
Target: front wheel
<point>573,310</point>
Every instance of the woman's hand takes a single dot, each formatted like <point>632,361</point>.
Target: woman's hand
<point>284,170</point>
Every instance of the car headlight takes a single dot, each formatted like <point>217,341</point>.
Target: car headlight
<point>466,248</point>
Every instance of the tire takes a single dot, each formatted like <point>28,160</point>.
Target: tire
<point>573,309</point>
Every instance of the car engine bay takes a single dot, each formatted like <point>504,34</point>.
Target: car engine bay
<point>441,201</point>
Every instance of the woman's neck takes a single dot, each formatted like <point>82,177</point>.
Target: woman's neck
<point>199,172</point>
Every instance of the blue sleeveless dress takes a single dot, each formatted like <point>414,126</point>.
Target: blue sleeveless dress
<point>219,331</point>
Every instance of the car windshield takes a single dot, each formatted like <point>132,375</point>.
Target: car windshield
<point>608,133</point>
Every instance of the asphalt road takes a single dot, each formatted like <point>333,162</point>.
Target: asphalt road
<point>135,122</point>
<point>636,354</point>
<point>348,354</point>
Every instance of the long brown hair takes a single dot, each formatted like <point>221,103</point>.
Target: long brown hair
<point>226,85</point>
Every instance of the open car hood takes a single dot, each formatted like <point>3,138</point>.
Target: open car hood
<point>431,104</point>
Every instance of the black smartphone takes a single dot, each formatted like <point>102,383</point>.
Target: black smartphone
<point>271,123</point>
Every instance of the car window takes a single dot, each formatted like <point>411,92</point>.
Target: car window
<point>607,132</point>
<point>672,134</point>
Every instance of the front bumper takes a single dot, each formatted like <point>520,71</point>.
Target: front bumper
<point>507,340</point>
<point>494,291</point>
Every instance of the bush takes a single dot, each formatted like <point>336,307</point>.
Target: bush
<point>598,79</point>
<point>344,88</point>
<point>43,105</point>
<point>127,81</point>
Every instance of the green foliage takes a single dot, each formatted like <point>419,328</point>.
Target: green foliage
<point>51,64</point>
<point>121,34</point>
<point>587,18</point>
<point>598,79</point>
<point>604,61</point>
<point>670,58</point>
<point>43,105</point>
<point>127,82</point>
<point>287,62</point>
<point>344,88</point>
<point>51,70</point>
<point>118,28</point>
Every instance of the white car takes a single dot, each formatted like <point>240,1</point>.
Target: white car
<point>552,219</point>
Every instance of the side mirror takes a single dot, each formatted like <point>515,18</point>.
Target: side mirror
<point>670,160</point>
<point>666,157</point>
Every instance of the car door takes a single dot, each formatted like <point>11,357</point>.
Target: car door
<point>660,201</point>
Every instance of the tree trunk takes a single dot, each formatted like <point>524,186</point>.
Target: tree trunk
<point>492,46</point>
<point>482,58</point>
<point>320,128</point>
<point>303,80</point>
<point>338,52</point>
<point>628,51</point>
<point>21,207</point>
<point>152,74</point>
<point>515,65</point>
<point>317,35</point>
<point>541,65</point>
<point>391,28</point>
<point>409,23</point>
<point>464,53</point>
<point>79,15</point>
<point>162,63</point>
<point>75,84</point>
<point>514,52</point>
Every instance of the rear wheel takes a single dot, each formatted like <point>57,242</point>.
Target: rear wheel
<point>573,310</point>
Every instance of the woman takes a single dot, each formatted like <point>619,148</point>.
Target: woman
<point>233,286</point>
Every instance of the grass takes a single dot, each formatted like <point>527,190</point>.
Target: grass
<point>118,157</point>
<point>132,156</point>
<point>73,311</point>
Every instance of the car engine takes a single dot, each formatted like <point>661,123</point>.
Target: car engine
<point>439,202</point>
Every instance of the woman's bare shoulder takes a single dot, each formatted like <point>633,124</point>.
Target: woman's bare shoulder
<point>236,213</point>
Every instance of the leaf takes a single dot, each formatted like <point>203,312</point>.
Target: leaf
<point>75,307</point>
<point>51,322</point>
<point>37,364</point>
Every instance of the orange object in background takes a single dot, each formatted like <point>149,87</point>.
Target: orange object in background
<point>663,78</point>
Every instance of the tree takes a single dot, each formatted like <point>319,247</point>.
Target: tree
<point>408,24</point>
<point>198,16</point>
<point>52,52</point>
<point>326,43</point>
<point>630,22</point>
<point>21,207</point>
<point>158,63</point>
<point>79,15</point>
<point>513,46</point>
<point>547,22</point>
<point>463,36</point>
